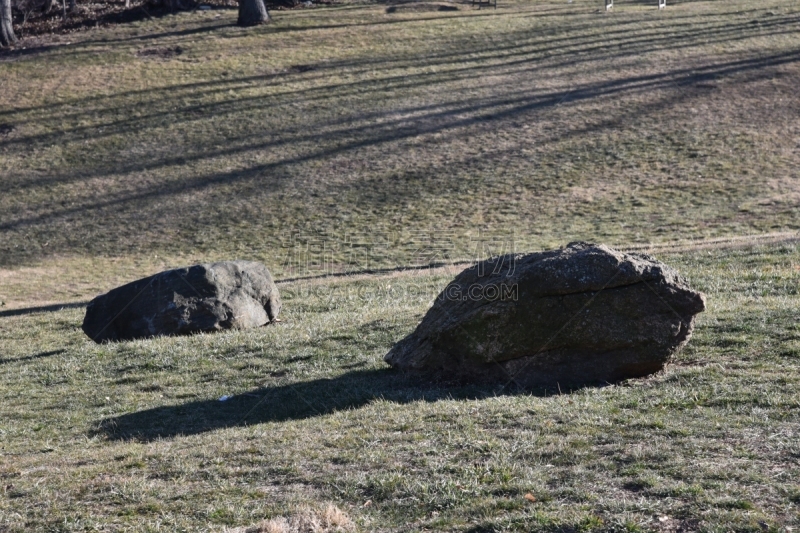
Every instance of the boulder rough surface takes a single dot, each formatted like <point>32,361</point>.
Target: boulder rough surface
<point>582,314</point>
<point>210,297</point>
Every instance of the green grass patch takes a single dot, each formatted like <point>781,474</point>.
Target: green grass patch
<point>133,434</point>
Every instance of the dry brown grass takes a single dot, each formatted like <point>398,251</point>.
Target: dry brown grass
<point>329,519</point>
<point>548,120</point>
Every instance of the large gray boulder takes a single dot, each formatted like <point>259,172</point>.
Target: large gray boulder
<point>211,297</point>
<point>582,314</point>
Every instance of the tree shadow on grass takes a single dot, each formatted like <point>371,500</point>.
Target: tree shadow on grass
<point>42,309</point>
<point>438,119</point>
<point>294,401</point>
<point>273,167</point>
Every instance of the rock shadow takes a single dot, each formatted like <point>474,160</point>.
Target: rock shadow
<point>292,401</point>
<point>33,357</point>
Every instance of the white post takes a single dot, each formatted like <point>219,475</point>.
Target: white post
<point>610,4</point>
<point>662,4</point>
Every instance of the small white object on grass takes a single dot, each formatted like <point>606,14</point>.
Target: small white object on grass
<point>225,398</point>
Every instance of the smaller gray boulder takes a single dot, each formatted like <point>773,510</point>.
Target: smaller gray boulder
<point>200,298</point>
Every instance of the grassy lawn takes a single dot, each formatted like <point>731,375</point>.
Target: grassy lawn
<point>132,436</point>
<point>550,121</point>
<point>349,138</point>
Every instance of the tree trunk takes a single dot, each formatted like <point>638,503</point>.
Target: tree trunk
<point>48,6</point>
<point>7,36</point>
<point>252,13</point>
